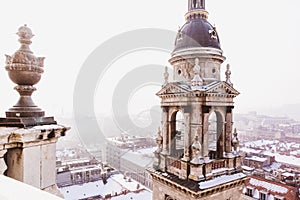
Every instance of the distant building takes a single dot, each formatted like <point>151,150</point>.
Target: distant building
<point>256,162</point>
<point>131,156</point>
<point>134,164</point>
<point>262,189</point>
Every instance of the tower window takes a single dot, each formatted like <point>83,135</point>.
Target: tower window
<point>179,72</point>
<point>212,132</point>
<point>179,131</point>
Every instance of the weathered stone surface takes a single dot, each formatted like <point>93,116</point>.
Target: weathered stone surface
<point>48,163</point>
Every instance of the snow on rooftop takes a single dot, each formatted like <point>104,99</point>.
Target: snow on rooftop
<point>287,174</point>
<point>129,185</point>
<point>143,195</point>
<point>247,168</point>
<point>268,186</point>
<point>91,189</point>
<point>260,143</point>
<point>259,159</point>
<point>220,180</point>
<point>142,157</point>
<point>268,153</point>
<point>292,160</point>
<point>249,150</point>
<point>115,184</point>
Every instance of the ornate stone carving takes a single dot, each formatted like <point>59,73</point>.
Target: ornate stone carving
<point>159,141</point>
<point>197,152</point>
<point>228,74</point>
<point>166,75</point>
<point>235,141</point>
<point>25,70</point>
<point>197,81</point>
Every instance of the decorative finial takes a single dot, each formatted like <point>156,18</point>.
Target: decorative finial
<point>166,75</point>
<point>25,70</point>
<point>197,151</point>
<point>197,7</point>
<point>159,140</point>
<point>213,33</point>
<point>228,74</point>
<point>197,81</point>
<point>235,141</point>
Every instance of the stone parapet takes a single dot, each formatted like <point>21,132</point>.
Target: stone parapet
<point>29,155</point>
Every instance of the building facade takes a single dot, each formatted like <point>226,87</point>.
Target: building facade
<point>196,156</point>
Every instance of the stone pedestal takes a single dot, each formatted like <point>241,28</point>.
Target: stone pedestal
<point>184,169</point>
<point>238,163</point>
<point>156,162</point>
<point>208,171</point>
<point>31,156</point>
<point>196,173</point>
<point>163,162</point>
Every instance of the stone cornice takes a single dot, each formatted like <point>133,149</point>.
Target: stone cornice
<point>200,52</point>
<point>200,194</point>
<point>20,137</point>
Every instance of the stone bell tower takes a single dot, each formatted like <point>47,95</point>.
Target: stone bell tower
<point>196,156</point>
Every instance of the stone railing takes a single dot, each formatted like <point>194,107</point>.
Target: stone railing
<point>218,164</point>
<point>176,163</point>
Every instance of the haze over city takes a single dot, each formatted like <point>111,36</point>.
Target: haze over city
<point>259,40</point>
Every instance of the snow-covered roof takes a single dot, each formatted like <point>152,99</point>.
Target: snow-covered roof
<point>249,150</point>
<point>247,168</point>
<point>142,157</point>
<point>115,184</point>
<point>292,160</point>
<point>268,186</point>
<point>259,159</point>
<point>274,189</point>
<point>142,195</point>
<point>220,180</point>
<point>288,174</point>
<point>260,143</point>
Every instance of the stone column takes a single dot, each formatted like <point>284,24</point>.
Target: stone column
<point>187,137</point>
<point>220,140</point>
<point>165,130</point>
<point>205,134</point>
<point>228,131</point>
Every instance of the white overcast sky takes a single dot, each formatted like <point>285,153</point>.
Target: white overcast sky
<point>260,39</point>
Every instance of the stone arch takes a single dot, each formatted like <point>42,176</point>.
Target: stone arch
<point>215,134</point>
<point>177,130</point>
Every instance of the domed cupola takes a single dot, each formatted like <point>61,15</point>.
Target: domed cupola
<point>197,39</point>
<point>197,31</point>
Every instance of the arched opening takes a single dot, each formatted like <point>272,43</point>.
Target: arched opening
<point>215,138</point>
<point>194,3</point>
<point>212,132</point>
<point>177,134</point>
<point>202,4</point>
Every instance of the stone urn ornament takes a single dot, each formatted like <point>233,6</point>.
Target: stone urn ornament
<point>25,70</point>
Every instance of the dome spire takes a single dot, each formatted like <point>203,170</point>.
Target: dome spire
<point>196,4</point>
<point>196,9</point>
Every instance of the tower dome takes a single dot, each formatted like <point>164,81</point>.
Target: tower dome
<point>198,40</point>
<point>197,31</point>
